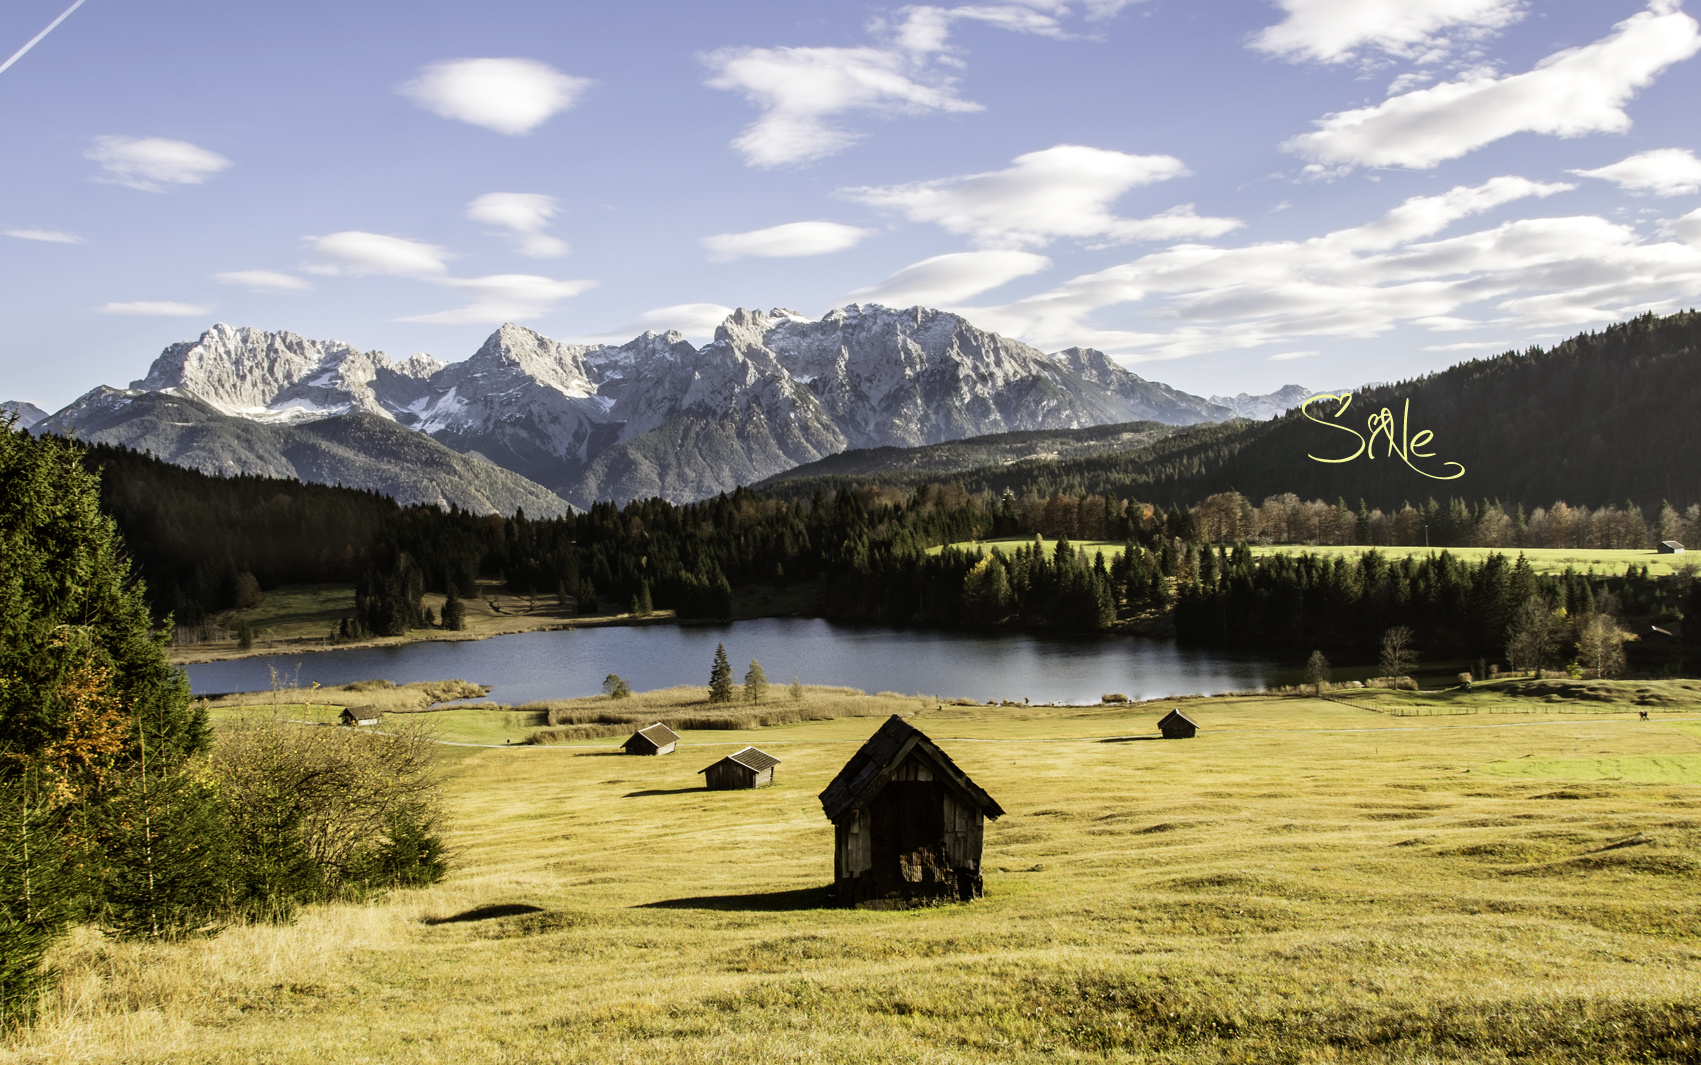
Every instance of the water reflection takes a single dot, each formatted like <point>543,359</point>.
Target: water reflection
<point>555,665</point>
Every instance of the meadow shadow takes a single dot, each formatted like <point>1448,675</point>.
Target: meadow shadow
<point>486,913</point>
<point>663,791</point>
<point>815,898</point>
<point>1128,739</point>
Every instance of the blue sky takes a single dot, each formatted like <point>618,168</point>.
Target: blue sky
<point>1224,196</point>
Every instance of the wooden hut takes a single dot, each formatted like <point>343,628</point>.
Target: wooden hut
<point>1669,547</point>
<point>748,768</point>
<point>355,716</point>
<point>908,824</point>
<point>652,739</point>
<point>1177,725</point>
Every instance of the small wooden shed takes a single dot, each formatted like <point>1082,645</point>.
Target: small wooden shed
<point>908,824</point>
<point>749,768</point>
<point>1177,725</point>
<point>652,739</point>
<point>355,716</point>
<point>1669,547</point>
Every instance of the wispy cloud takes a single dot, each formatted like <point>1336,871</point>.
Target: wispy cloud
<point>697,321</point>
<point>508,96</point>
<point>151,163</point>
<point>1065,191</point>
<point>948,280</point>
<point>1568,94</point>
<point>156,309</point>
<point>1525,275</point>
<point>46,236</point>
<point>1334,31</point>
<point>264,281</point>
<point>1288,356</point>
<point>806,93</point>
<point>355,252</point>
<point>504,298</point>
<point>1663,172</point>
<point>525,215</point>
<point>789,241</point>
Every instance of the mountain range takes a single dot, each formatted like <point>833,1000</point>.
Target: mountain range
<point>571,423</point>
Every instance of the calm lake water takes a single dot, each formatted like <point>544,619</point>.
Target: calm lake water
<point>558,665</point>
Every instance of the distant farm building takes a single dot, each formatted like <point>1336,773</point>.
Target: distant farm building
<point>748,768</point>
<point>908,824</point>
<point>359,715</point>
<point>1669,547</point>
<point>652,739</point>
<point>1177,726</point>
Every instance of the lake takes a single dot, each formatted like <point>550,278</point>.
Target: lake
<point>556,665</point>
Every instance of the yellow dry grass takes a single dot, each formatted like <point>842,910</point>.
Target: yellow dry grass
<point>1304,881</point>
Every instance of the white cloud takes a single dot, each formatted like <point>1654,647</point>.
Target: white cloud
<point>48,236</point>
<point>697,320</point>
<point>788,241</point>
<point>1333,31</point>
<point>1568,94</point>
<point>504,298</point>
<point>1288,356</point>
<point>524,214</point>
<point>1663,172</point>
<point>511,96</point>
<point>803,92</point>
<point>1471,345</point>
<point>1522,275</point>
<point>355,253</point>
<point>264,281</point>
<point>1688,228</point>
<point>150,163</point>
<point>1065,191</point>
<point>156,309</point>
<point>947,280</point>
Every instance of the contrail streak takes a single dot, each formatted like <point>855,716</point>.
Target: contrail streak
<point>19,54</point>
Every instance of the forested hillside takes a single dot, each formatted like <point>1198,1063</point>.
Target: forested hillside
<point>1598,419</point>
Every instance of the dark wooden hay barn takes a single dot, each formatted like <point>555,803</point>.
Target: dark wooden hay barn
<point>652,739</point>
<point>1177,726</point>
<point>359,715</point>
<point>749,768</point>
<point>1669,547</point>
<point>908,824</point>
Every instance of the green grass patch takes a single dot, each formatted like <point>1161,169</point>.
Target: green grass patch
<point>1646,769</point>
<point>1541,559</point>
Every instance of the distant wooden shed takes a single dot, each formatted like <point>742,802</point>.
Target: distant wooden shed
<point>1669,547</point>
<point>908,824</point>
<point>1177,726</point>
<point>652,739</point>
<point>355,716</point>
<point>749,768</point>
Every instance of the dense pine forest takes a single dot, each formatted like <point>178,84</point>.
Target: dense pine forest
<point>203,543</point>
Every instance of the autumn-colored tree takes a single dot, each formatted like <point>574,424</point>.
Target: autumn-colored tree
<point>83,676</point>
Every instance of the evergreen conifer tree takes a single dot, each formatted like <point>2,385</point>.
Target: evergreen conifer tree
<point>755,683</point>
<point>720,677</point>
<point>454,611</point>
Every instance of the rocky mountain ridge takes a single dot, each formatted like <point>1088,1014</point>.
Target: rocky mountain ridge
<point>660,416</point>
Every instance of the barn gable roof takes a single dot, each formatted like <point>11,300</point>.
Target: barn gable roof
<point>658,734</point>
<point>750,758</point>
<point>1176,715</point>
<point>869,766</point>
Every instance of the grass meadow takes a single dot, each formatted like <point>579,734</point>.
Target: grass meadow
<point>1306,880</point>
<point>1541,559</point>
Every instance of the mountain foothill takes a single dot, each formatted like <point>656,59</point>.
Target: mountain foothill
<point>570,424</point>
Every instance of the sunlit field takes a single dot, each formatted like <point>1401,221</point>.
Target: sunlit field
<point>1306,880</point>
<point>1541,559</point>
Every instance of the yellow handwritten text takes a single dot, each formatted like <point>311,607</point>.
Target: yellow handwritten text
<point>1382,426</point>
